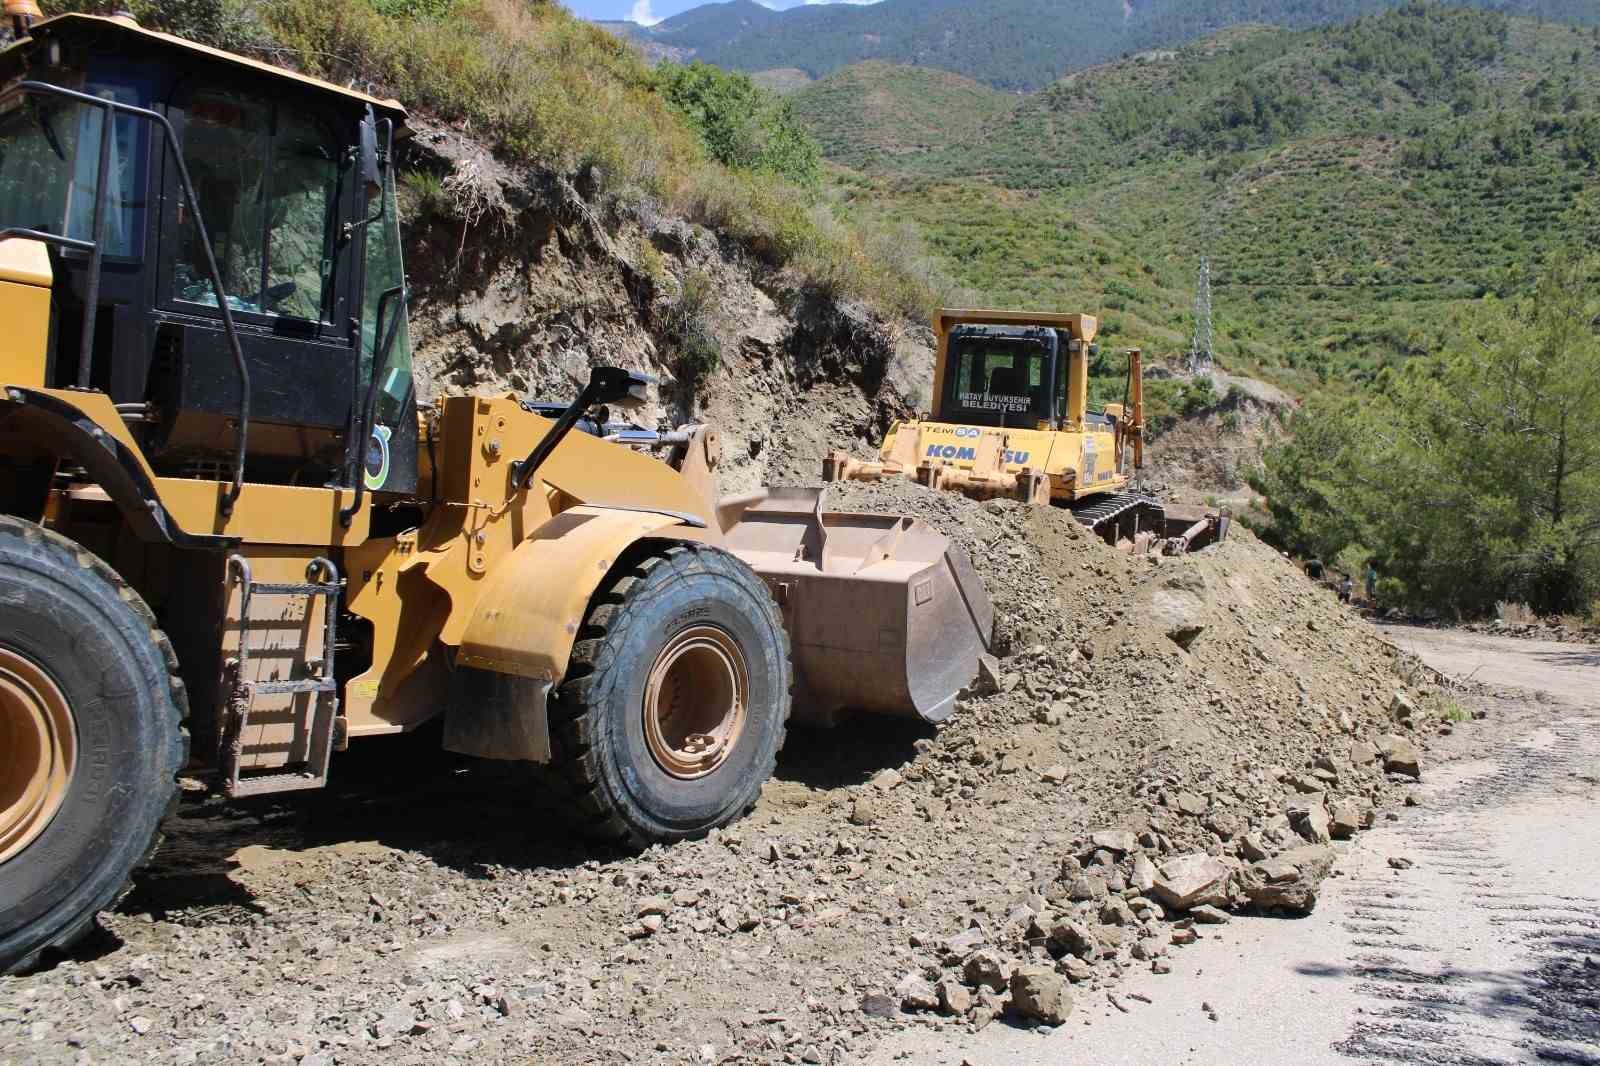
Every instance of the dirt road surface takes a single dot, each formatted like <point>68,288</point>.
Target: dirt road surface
<point>1485,951</point>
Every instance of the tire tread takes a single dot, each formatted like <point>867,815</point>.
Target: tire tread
<point>177,703</point>
<point>572,719</point>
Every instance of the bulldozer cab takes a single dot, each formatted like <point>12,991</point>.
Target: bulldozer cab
<point>1012,370</point>
<point>223,242</point>
<point>1002,376</point>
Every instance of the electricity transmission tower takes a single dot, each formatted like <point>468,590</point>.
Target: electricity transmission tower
<point>1200,350</point>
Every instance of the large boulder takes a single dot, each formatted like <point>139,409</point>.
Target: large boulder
<point>1038,992</point>
<point>1189,880</point>
<point>1290,882</point>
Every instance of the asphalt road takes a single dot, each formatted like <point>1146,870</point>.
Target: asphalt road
<point>1486,951</point>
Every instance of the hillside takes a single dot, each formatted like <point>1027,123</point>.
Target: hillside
<point>1353,184</point>
<point>874,109</point>
<point>1008,44</point>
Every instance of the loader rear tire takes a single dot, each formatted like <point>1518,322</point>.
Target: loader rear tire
<point>91,739</point>
<point>677,697</point>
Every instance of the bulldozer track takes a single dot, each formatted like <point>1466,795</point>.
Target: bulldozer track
<point>1097,512</point>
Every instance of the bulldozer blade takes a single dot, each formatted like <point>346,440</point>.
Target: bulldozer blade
<point>884,613</point>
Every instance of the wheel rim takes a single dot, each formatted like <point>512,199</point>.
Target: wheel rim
<point>40,742</point>
<point>695,702</point>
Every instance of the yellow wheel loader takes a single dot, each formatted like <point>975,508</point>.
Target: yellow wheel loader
<point>1011,419</point>
<point>232,544</point>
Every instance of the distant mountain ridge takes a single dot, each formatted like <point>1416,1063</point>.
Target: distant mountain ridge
<point>1007,44</point>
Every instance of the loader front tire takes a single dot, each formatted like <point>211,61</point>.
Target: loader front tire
<point>676,699</point>
<point>91,739</point>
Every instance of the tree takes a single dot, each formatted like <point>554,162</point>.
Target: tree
<point>1474,475</point>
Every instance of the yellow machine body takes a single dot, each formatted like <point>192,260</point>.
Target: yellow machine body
<point>1064,456</point>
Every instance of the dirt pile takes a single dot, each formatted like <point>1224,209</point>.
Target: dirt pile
<point>1160,741</point>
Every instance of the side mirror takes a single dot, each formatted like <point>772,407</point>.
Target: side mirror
<point>614,385</point>
<point>367,167</point>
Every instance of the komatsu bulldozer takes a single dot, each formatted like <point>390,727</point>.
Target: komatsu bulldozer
<point>1011,418</point>
<point>232,543</point>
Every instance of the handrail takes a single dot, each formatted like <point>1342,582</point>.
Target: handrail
<point>95,248</point>
<point>382,343</point>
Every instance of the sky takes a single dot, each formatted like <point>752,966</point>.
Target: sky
<point>649,12</point>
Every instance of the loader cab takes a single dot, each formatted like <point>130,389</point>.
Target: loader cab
<point>296,201</point>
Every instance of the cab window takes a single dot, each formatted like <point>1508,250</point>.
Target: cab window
<point>267,181</point>
<point>49,154</point>
<point>1000,381</point>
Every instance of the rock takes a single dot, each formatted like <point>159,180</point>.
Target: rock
<point>1038,992</point>
<point>140,1024</point>
<point>917,993</point>
<point>1056,774</point>
<point>1075,939</point>
<point>1074,969</point>
<point>962,944</point>
<point>864,811</point>
<point>1344,819</point>
<point>1160,966</point>
<point>1144,874</point>
<point>1311,861</point>
<point>1403,708</point>
<point>1206,914</point>
<point>884,780</point>
<point>954,998</point>
<point>1277,871</point>
<point>986,969</point>
<point>1119,841</point>
<point>1289,882</point>
<point>1225,824</point>
<point>1116,912</point>
<point>1190,880</point>
<point>1363,753</point>
<point>1253,847</point>
<point>1310,820</point>
<point>1400,863</point>
<point>879,1005</point>
<point>1299,897</point>
<point>659,905</point>
<point>1086,887</point>
<point>1399,756</point>
<point>1191,804</point>
<point>1306,783</point>
<point>989,676</point>
<point>1180,614</point>
<point>1183,937</point>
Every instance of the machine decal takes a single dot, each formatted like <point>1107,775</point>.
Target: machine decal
<point>977,401</point>
<point>950,451</point>
<point>375,468</point>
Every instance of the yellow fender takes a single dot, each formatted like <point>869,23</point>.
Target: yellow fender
<point>526,619</point>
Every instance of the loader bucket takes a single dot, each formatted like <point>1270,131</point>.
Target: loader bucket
<point>884,613</point>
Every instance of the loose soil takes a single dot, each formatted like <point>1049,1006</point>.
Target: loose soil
<point>423,911</point>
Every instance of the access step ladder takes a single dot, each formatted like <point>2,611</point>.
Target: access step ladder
<point>291,751</point>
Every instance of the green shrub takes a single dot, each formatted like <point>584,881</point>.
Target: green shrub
<point>741,124</point>
<point>691,324</point>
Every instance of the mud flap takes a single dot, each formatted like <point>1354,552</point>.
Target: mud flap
<point>884,613</point>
